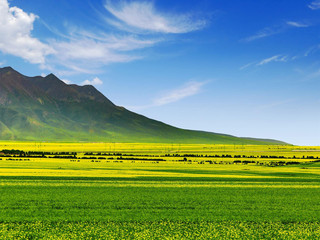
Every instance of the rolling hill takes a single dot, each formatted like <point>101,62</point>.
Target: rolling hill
<point>46,109</point>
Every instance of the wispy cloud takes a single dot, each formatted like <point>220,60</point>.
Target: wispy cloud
<point>277,29</point>
<point>246,66</point>
<point>276,58</point>
<point>95,81</point>
<point>285,58</point>
<point>297,24</point>
<point>144,16</point>
<point>187,90</point>
<point>312,50</point>
<point>315,5</point>
<point>266,32</point>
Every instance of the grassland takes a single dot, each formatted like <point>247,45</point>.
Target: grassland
<point>159,191</point>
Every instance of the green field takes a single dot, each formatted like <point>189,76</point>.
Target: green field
<point>153,191</point>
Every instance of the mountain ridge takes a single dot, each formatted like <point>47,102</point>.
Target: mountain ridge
<point>47,109</point>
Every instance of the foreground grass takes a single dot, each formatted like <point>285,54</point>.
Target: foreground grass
<point>61,199</point>
<point>159,230</point>
<point>124,209</point>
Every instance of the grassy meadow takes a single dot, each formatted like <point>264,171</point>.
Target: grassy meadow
<point>158,191</point>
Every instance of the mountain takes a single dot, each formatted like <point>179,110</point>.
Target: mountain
<point>47,109</point>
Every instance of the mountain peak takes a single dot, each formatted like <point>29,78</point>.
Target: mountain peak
<point>51,75</point>
<point>7,69</point>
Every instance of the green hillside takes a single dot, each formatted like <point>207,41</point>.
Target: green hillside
<point>47,109</point>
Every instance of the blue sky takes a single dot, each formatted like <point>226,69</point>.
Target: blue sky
<point>247,68</point>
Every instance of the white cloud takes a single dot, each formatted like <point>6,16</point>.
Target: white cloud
<point>144,16</point>
<point>95,81</point>
<point>315,5</point>
<point>297,24</point>
<point>81,51</point>
<point>276,58</point>
<point>16,39</point>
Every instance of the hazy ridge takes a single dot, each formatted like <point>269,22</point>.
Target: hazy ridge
<point>46,109</point>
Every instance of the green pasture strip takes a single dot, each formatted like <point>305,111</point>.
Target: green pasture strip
<point>159,230</point>
<point>21,203</point>
<point>156,184</point>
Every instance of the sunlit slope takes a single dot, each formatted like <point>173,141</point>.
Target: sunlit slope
<point>47,109</point>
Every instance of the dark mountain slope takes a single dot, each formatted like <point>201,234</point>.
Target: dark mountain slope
<point>47,109</point>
